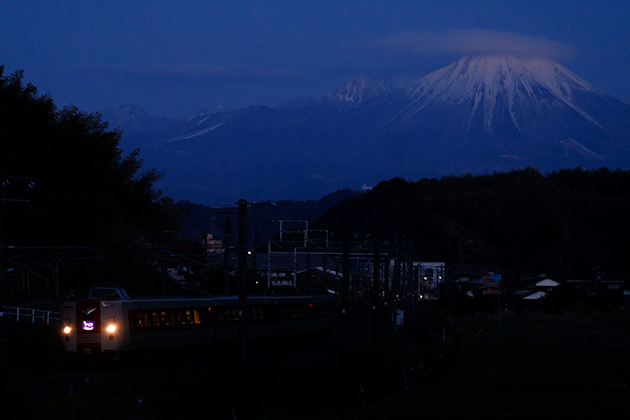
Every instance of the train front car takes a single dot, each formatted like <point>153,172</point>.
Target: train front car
<point>93,320</point>
<point>100,321</point>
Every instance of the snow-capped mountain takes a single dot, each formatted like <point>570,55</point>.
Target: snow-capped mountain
<point>479,114</point>
<point>132,118</point>
<point>496,112</point>
<point>502,84</point>
<point>358,90</point>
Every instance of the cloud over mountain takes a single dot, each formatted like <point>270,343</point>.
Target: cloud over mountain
<point>463,42</point>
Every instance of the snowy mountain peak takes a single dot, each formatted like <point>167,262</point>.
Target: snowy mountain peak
<point>359,89</point>
<point>129,118</point>
<point>508,83</point>
<point>480,114</point>
<point>495,74</point>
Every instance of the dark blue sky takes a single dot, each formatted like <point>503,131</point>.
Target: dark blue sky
<point>175,57</point>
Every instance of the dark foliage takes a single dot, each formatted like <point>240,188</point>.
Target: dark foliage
<point>564,297</point>
<point>197,219</point>
<point>70,186</point>
<point>570,219</point>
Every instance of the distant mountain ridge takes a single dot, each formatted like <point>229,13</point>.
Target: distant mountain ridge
<point>480,114</point>
<point>358,90</point>
<point>132,118</point>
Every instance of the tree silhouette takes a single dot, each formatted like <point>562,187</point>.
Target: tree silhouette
<point>569,220</point>
<point>67,182</point>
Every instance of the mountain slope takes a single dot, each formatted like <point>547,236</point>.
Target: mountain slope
<point>357,91</point>
<point>479,115</point>
<point>132,118</point>
<point>496,108</point>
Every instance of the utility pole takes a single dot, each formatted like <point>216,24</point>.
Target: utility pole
<point>164,263</point>
<point>5,181</point>
<point>3,244</point>
<point>242,292</point>
<point>206,250</point>
<point>345,289</point>
<point>226,256</point>
<point>242,281</point>
<point>375,283</point>
<point>243,275</point>
<point>3,208</point>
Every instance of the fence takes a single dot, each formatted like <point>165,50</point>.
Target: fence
<point>34,316</point>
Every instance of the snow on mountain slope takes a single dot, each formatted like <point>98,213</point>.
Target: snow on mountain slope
<point>132,118</point>
<point>358,90</point>
<point>189,135</point>
<point>484,81</point>
<point>479,114</point>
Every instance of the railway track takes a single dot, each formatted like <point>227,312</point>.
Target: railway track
<point>62,379</point>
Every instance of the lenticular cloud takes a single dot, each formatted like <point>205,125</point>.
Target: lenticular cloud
<point>467,42</point>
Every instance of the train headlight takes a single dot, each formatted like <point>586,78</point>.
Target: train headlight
<point>111,327</point>
<point>67,329</point>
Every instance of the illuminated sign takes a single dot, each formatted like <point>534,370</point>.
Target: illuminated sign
<point>87,325</point>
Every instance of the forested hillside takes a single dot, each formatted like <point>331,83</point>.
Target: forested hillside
<point>75,209</point>
<point>572,219</point>
<point>261,218</point>
<point>69,196</point>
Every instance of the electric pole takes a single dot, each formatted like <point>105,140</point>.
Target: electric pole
<point>242,280</point>
<point>3,244</point>
<point>375,284</point>
<point>226,256</point>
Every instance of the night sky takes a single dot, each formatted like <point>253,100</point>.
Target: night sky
<point>175,57</point>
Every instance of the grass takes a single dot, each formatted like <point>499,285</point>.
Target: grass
<point>529,368</point>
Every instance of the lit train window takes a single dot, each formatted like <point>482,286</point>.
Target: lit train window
<point>256,312</point>
<point>292,311</point>
<point>135,319</point>
<point>167,318</point>
<point>231,314</point>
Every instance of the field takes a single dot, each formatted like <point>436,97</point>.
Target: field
<point>526,367</point>
<point>529,366</point>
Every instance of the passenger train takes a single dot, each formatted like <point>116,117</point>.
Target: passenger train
<point>100,320</point>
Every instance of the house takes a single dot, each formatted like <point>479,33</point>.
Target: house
<point>607,286</point>
<point>546,285</point>
<point>214,246</point>
<point>539,294</point>
<point>542,289</point>
<point>430,277</point>
<point>318,279</point>
<point>478,279</point>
